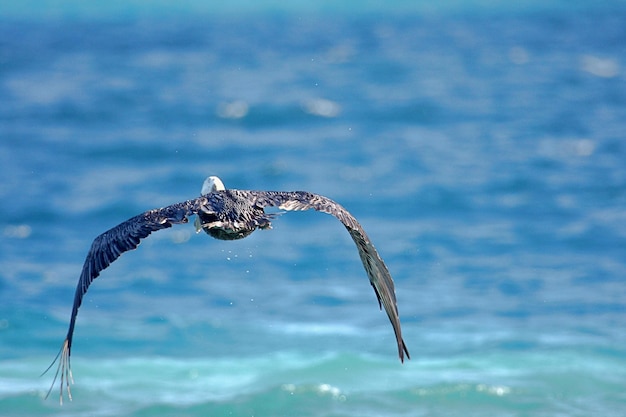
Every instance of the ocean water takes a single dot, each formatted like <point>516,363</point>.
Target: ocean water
<point>481,145</point>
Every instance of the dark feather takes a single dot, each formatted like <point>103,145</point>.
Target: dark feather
<point>377,271</point>
<point>105,249</point>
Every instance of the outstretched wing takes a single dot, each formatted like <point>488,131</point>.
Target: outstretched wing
<point>105,249</point>
<point>377,271</point>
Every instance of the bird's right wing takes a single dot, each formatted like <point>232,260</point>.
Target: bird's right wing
<point>105,249</point>
<point>377,271</point>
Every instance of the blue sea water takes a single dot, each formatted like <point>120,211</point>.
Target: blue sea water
<point>482,148</point>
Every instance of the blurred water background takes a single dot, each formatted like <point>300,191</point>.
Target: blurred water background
<point>481,145</point>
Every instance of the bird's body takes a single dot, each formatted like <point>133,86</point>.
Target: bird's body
<point>225,215</point>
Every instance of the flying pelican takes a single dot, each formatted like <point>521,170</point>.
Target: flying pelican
<point>225,215</point>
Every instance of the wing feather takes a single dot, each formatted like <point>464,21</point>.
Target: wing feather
<point>105,249</point>
<point>377,271</point>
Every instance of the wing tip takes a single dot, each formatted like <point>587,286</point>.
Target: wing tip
<point>64,372</point>
<point>402,351</point>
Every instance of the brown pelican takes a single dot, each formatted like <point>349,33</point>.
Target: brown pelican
<point>225,215</point>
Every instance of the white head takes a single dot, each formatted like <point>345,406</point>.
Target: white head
<point>212,184</point>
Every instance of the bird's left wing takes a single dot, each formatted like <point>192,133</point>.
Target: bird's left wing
<point>105,249</point>
<point>377,271</point>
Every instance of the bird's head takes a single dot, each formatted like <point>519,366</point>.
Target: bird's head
<point>212,184</point>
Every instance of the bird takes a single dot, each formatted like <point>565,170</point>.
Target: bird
<point>224,214</point>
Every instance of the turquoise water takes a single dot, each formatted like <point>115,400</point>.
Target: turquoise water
<point>481,148</point>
